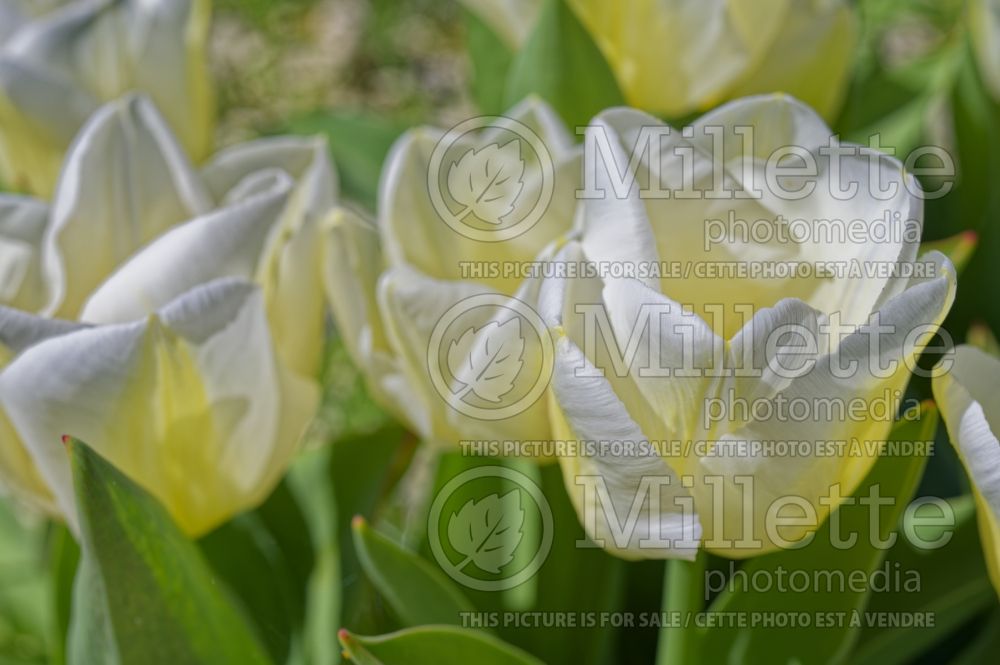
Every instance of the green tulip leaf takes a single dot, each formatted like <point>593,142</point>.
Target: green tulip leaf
<point>433,645</point>
<point>64,559</point>
<point>311,486</point>
<point>417,591</point>
<point>358,144</point>
<point>362,470</point>
<point>143,593</point>
<point>561,64</point>
<point>954,588</point>
<point>984,649</point>
<point>491,60</point>
<point>243,555</point>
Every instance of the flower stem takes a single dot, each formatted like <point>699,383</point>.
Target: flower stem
<point>683,598</point>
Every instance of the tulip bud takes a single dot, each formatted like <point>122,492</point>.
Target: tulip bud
<point>447,343</point>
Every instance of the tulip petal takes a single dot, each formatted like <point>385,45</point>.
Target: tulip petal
<point>493,326</point>
<point>577,308</point>
<point>188,403</point>
<point>290,270</point>
<point>705,46</point>
<point>23,283</point>
<point>810,57</point>
<point>512,324</point>
<point>764,359</point>
<point>11,18</point>
<point>826,391</point>
<point>805,247</point>
<point>351,268</point>
<point>970,404</point>
<point>225,243</point>
<point>20,330</point>
<point>106,48</point>
<point>39,116</point>
<point>351,265</point>
<point>18,474</point>
<point>125,182</point>
<point>411,304</point>
<point>415,232</point>
<point>617,229</point>
<point>305,159</point>
<point>592,412</point>
<point>669,352</point>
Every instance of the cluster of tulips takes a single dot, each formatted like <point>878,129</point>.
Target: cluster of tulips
<point>168,303</point>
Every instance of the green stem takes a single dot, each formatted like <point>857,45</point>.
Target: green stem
<point>683,597</point>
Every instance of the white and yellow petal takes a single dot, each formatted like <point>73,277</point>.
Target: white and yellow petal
<point>193,403</point>
<point>23,281</point>
<point>18,474</point>
<point>292,262</point>
<point>968,395</point>
<point>411,304</point>
<point>414,227</point>
<point>228,242</point>
<point>631,503</point>
<point>849,372</point>
<point>695,232</point>
<point>89,53</point>
<point>125,182</point>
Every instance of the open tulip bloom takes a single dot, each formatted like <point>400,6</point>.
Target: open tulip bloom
<point>702,376</point>
<point>128,255</point>
<point>624,335</point>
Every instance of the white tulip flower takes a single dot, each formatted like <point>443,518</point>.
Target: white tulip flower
<point>699,362</point>
<point>395,285</point>
<point>134,227</point>
<point>192,402</point>
<point>680,57</point>
<point>57,69</point>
